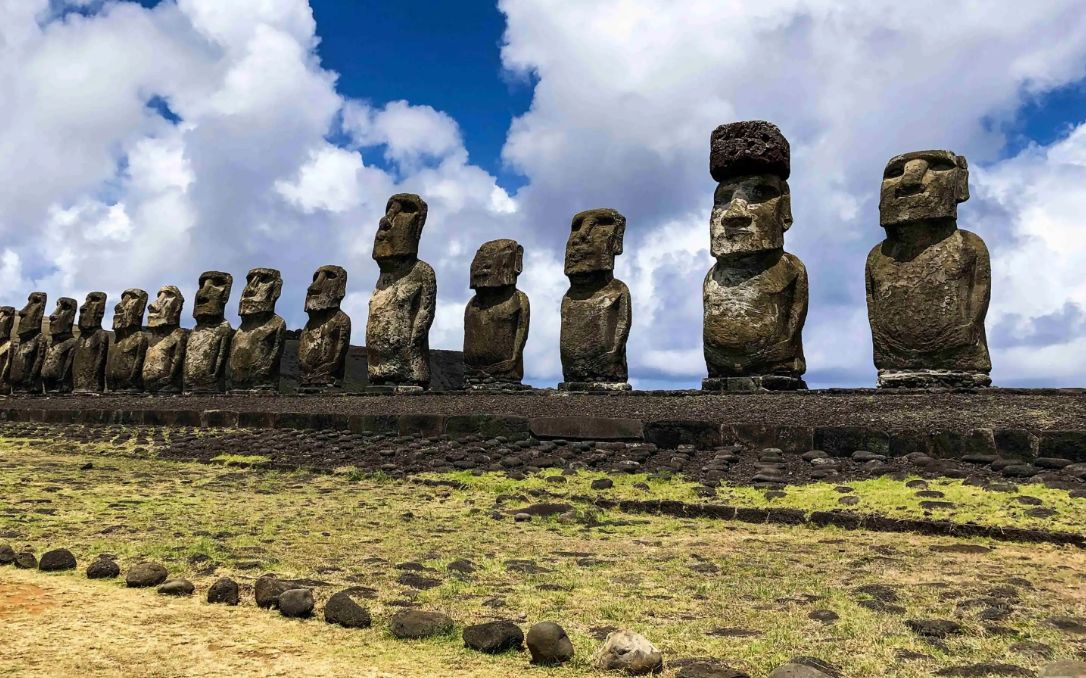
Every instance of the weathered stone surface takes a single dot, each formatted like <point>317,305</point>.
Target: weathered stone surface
<point>56,560</point>
<point>25,560</point>
<point>7,554</point>
<point>792,670</point>
<point>163,366</point>
<point>586,428</point>
<point>596,310</point>
<point>257,347</point>
<point>928,283</point>
<point>413,624</point>
<point>344,608</point>
<point>92,346</point>
<point>209,342</point>
<point>496,318</point>
<point>493,637</point>
<point>404,301</point>
<point>29,352</point>
<point>56,369</point>
<point>224,591</point>
<point>296,603</point>
<point>549,644</point>
<point>124,367</point>
<point>630,653</point>
<point>267,589</point>
<point>144,575</point>
<point>177,587</point>
<point>755,296</point>
<point>7,321</point>
<point>103,568</point>
<point>322,349</point>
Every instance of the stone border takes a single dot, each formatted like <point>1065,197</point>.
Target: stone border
<point>1019,444</point>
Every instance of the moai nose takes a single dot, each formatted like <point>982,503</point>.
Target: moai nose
<point>737,213</point>
<point>914,172</point>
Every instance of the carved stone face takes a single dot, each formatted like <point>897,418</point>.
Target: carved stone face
<point>594,241</point>
<point>165,311</point>
<point>750,214</point>
<point>328,288</point>
<point>399,231</point>
<point>923,185</point>
<point>262,289</point>
<point>7,320</point>
<point>212,296</point>
<point>128,313</point>
<point>63,317</point>
<point>92,311</point>
<point>497,264</point>
<point>31,315</point>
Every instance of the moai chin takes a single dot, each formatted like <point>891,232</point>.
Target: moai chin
<point>92,347</point>
<point>928,282</point>
<point>124,366</point>
<point>755,296</point>
<point>596,309</point>
<point>322,349</point>
<point>163,366</point>
<point>257,347</point>
<point>403,303</point>
<point>56,369</point>
<point>496,319</point>
<point>29,353</point>
<point>7,321</point>
<point>209,342</point>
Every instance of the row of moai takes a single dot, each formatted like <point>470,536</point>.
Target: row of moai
<point>928,286</point>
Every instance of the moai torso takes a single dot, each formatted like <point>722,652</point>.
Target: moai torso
<point>322,348</point>
<point>56,369</point>
<point>495,330</point>
<point>164,361</point>
<point>7,321</point>
<point>401,311</point>
<point>29,352</point>
<point>209,342</point>
<point>89,362</point>
<point>124,372</point>
<point>595,326</point>
<point>255,353</point>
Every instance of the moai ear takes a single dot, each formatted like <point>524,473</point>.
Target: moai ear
<point>619,233</point>
<point>784,207</point>
<point>278,289</point>
<point>963,179</point>
<point>518,260</point>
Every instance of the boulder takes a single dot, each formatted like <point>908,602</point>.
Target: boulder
<point>103,568</point>
<point>343,609</point>
<point>177,587</point>
<point>7,554</point>
<point>25,560</point>
<point>267,590</point>
<point>630,653</point>
<point>296,603</point>
<point>224,591</point>
<point>1065,669</point>
<point>56,560</point>
<point>707,668</point>
<point>412,624</point>
<point>549,644</point>
<point>493,637</point>
<point>143,575</point>
<point>792,670</point>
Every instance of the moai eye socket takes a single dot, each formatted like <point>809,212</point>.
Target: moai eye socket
<point>940,164</point>
<point>894,171</point>
<point>723,195</point>
<point>762,193</point>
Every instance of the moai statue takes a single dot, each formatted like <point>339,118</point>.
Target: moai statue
<point>7,321</point>
<point>928,283</point>
<point>163,367</point>
<point>209,342</point>
<point>755,296</point>
<point>322,350</point>
<point>56,368</point>
<point>257,347</point>
<point>124,366</point>
<point>403,303</point>
<point>496,318</point>
<point>92,347</point>
<point>596,309</point>
<point>29,354</point>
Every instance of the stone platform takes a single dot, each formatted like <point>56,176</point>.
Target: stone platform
<point>1020,424</point>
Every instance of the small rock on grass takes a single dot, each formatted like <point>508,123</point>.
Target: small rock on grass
<point>630,653</point>
<point>343,609</point>
<point>7,554</point>
<point>934,628</point>
<point>413,624</point>
<point>177,587</point>
<point>792,670</point>
<point>143,575</point>
<point>602,484</point>
<point>707,668</point>
<point>493,637</point>
<point>549,644</point>
<point>267,590</point>
<point>103,568</point>
<point>225,591</point>
<point>56,560</point>
<point>25,560</point>
<point>296,603</point>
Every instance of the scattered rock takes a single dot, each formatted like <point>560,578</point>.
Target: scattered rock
<point>224,591</point>
<point>493,637</point>
<point>56,560</point>
<point>791,670</point>
<point>143,575</point>
<point>7,554</point>
<point>413,624</point>
<point>731,632</point>
<point>706,668</point>
<point>630,653</point>
<point>25,560</point>
<point>824,616</point>
<point>267,590</point>
<point>602,484</point>
<point>1068,624</point>
<point>984,670</point>
<point>960,548</point>
<point>522,518</point>
<point>103,568</point>
<point>415,581</point>
<point>461,566</point>
<point>934,628</point>
<point>549,644</point>
<point>177,587</point>
<point>343,609</point>
<point>849,500</point>
<point>817,664</point>
<point>1032,648</point>
<point>1065,669</point>
<point>296,603</point>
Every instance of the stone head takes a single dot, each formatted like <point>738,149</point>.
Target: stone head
<point>399,231</point>
<point>262,289</point>
<point>31,315</point>
<point>212,296</point>
<point>128,313</point>
<point>327,290</point>
<point>923,185</point>
<point>497,264</point>
<point>92,311</point>
<point>165,310</point>
<point>595,239</point>
<point>7,320</point>
<point>60,322</point>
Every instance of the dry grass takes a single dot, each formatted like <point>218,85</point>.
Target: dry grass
<point>671,579</point>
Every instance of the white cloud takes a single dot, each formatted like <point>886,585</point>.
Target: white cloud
<point>409,133</point>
